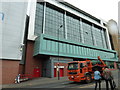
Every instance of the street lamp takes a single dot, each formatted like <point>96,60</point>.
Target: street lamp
<point>58,53</point>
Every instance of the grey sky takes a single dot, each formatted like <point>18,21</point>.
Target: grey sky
<point>103,9</point>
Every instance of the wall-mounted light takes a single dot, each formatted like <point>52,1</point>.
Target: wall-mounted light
<point>21,47</point>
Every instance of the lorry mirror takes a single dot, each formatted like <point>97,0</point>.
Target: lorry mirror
<point>81,65</point>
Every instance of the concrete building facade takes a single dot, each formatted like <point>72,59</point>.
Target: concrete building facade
<point>49,36</point>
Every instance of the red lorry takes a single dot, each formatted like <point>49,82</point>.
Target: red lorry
<point>84,70</point>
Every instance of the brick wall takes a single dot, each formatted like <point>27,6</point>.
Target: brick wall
<point>9,71</point>
<point>21,68</point>
<point>0,71</point>
<point>31,62</point>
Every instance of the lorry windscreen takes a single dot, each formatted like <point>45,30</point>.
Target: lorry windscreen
<point>72,66</point>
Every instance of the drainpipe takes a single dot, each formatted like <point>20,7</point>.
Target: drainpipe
<point>24,47</point>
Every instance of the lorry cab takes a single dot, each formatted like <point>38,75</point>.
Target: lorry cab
<point>84,70</point>
<point>79,70</point>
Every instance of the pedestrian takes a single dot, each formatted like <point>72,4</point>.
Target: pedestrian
<point>107,74</point>
<point>17,80</point>
<point>97,78</point>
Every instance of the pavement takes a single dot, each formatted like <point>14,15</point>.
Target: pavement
<point>36,81</point>
<point>45,80</point>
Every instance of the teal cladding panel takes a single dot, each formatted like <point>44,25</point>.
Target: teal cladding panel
<point>37,46</point>
<point>49,46</point>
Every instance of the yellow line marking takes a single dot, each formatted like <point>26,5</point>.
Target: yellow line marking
<point>87,86</point>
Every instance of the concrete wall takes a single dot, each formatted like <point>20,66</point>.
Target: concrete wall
<point>13,26</point>
<point>47,68</point>
<point>113,31</point>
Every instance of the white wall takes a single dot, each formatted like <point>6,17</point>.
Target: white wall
<point>13,27</point>
<point>31,14</point>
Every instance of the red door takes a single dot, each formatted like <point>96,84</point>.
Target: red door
<point>36,72</point>
<point>61,72</point>
<point>54,72</point>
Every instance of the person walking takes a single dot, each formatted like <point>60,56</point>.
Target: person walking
<point>107,74</point>
<point>97,78</point>
<point>17,80</point>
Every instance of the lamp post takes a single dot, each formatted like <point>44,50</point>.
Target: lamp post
<point>58,53</point>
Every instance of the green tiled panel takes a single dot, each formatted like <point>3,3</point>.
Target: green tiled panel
<point>49,46</point>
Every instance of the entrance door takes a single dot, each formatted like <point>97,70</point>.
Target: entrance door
<point>54,72</point>
<point>36,72</point>
<point>61,72</point>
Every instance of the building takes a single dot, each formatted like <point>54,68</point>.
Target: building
<point>113,34</point>
<point>12,24</point>
<point>49,36</point>
<point>119,29</point>
<point>119,47</point>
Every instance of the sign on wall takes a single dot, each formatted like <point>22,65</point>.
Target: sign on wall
<point>1,16</point>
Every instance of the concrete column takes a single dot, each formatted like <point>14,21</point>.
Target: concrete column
<point>102,39</point>
<point>108,39</point>
<point>94,39</point>
<point>65,25</point>
<point>32,7</point>
<point>44,18</point>
<point>82,37</point>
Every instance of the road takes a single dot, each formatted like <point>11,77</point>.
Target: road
<point>66,84</point>
<point>70,84</point>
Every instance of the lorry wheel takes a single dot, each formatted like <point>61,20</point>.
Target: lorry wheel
<point>88,78</point>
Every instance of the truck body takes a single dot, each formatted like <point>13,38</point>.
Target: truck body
<point>83,70</point>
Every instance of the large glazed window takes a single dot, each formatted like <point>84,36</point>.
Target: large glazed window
<point>54,18</point>
<point>73,28</point>
<point>87,34</point>
<point>104,38</point>
<point>39,19</point>
<point>99,37</point>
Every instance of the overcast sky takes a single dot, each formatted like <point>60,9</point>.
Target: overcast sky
<point>103,9</point>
